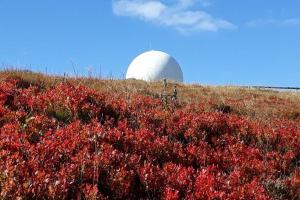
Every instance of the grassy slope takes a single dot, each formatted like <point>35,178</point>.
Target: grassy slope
<point>253,103</point>
<point>257,105</point>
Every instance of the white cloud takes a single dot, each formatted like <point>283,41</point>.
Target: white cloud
<point>180,15</point>
<point>188,3</point>
<point>292,22</point>
<point>146,10</point>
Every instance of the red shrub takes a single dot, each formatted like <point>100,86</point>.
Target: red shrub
<point>71,142</point>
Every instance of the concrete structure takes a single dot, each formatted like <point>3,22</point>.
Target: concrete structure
<point>154,66</point>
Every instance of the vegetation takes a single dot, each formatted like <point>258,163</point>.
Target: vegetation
<point>85,138</point>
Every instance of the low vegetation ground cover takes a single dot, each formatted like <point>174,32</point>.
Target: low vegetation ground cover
<point>84,138</point>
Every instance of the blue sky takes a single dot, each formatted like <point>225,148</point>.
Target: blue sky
<point>216,42</point>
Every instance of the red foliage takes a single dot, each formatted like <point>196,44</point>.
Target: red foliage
<point>71,142</point>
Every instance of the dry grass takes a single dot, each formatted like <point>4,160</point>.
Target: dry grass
<point>253,103</point>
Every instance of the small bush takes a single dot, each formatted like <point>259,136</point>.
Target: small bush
<point>222,108</point>
<point>60,112</point>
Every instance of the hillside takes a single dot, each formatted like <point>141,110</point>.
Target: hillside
<point>72,138</point>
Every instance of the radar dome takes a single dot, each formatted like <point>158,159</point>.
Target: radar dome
<point>154,66</point>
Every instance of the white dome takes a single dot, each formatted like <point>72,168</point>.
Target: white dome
<point>154,66</point>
